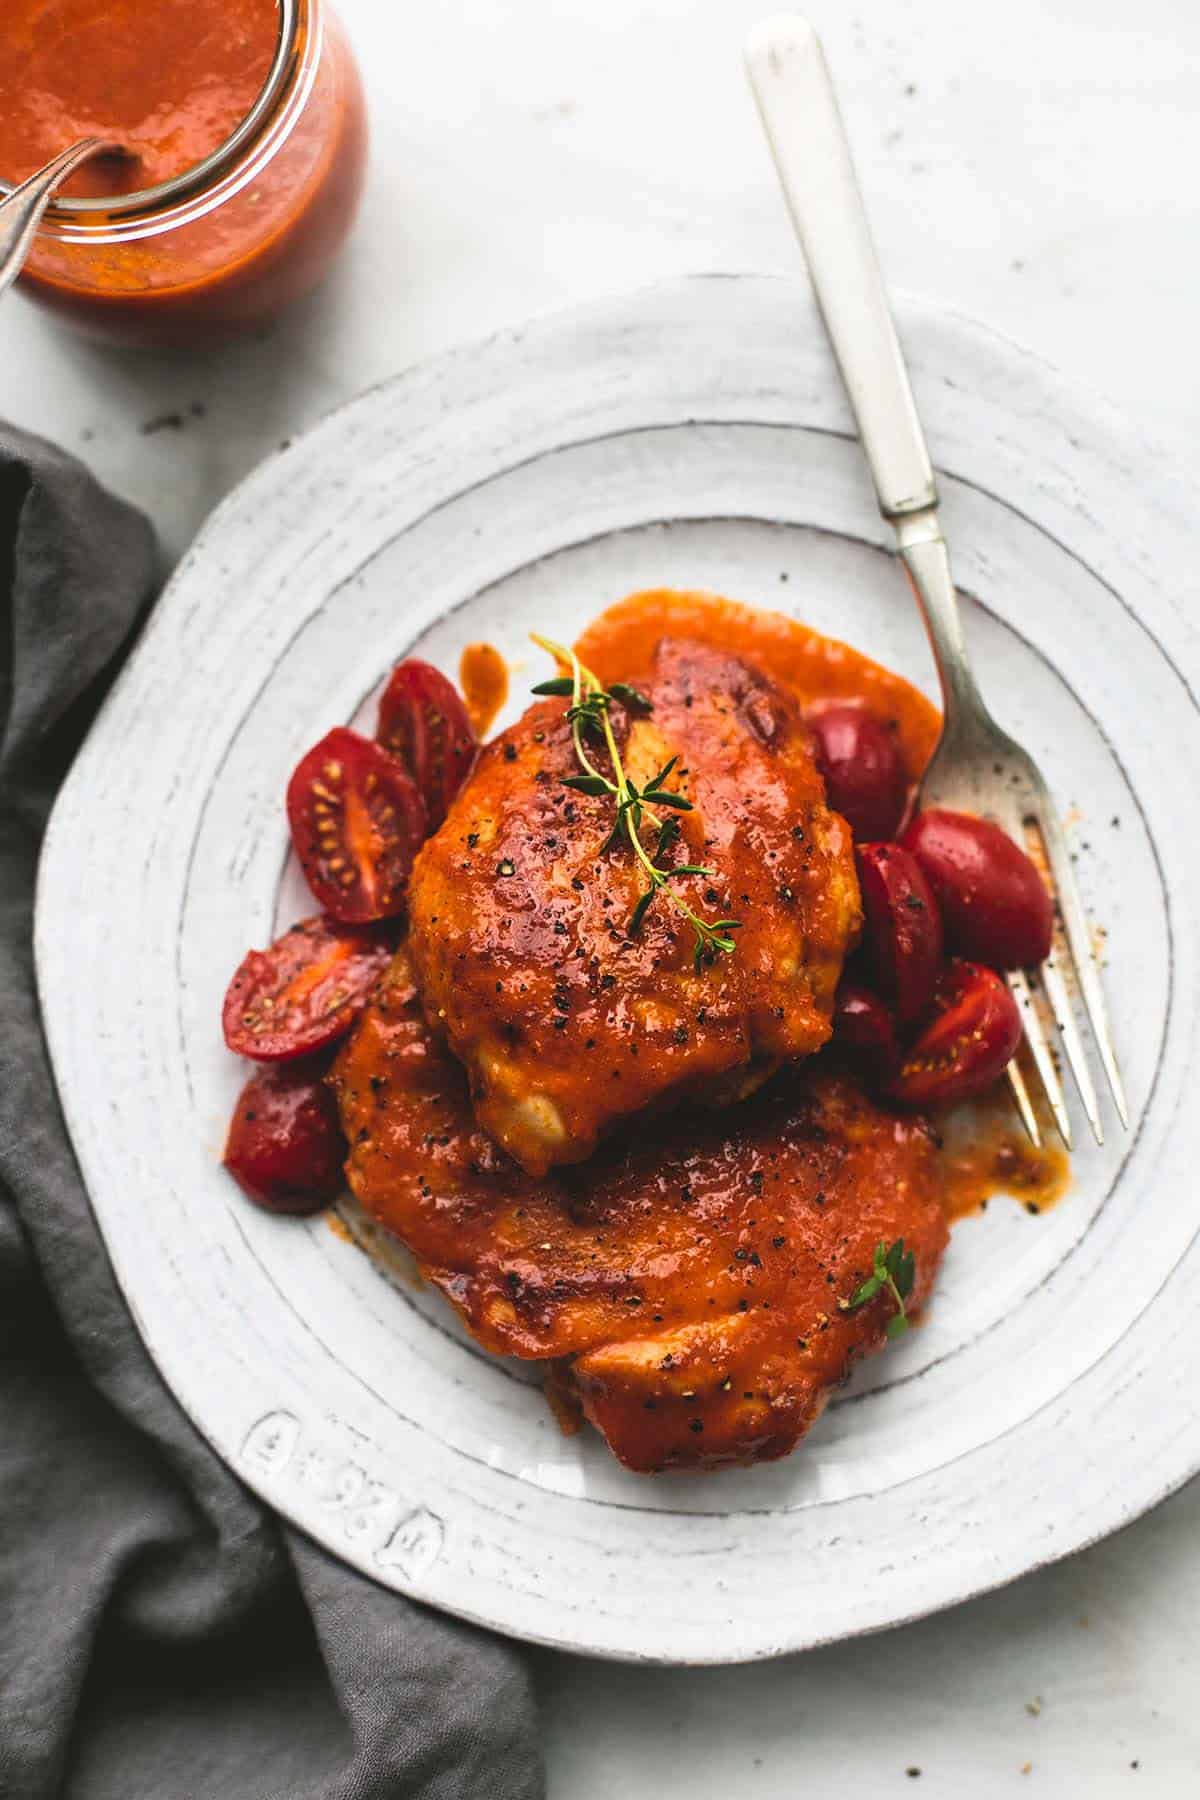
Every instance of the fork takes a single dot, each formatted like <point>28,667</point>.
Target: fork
<point>977,767</point>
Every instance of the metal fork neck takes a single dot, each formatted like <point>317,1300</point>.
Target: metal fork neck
<point>923,552</point>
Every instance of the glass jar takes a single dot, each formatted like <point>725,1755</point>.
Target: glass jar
<point>229,243</point>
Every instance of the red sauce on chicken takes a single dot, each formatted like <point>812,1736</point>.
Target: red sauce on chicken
<point>620,644</point>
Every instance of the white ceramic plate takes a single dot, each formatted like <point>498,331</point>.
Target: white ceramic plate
<point>694,435</point>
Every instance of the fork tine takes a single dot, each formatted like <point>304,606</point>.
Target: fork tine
<point>1055,989</point>
<point>1020,1094</point>
<point>1086,972</point>
<point>1043,1056</point>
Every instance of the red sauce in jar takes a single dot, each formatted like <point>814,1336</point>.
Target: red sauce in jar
<point>171,82</point>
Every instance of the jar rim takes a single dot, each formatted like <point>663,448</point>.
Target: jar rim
<point>189,181</point>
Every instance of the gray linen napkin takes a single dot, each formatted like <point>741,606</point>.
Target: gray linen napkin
<point>161,1634</point>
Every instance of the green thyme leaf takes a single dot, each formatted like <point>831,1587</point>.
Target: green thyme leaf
<point>640,911</point>
<point>894,1270</point>
<point>615,835</point>
<point>588,784</point>
<point>630,697</point>
<point>867,1290</point>
<point>668,836</point>
<point>589,716</point>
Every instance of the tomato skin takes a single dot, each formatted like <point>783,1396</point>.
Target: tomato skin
<point>304,992</point>
<point>902,929</point>
<point>865,1029</point>
<point>285,1147</point>
<point>424,722</point>
<point>357,822</point>
<point>994,903</point>
<point>860,761</point>
<point>967,1043</point>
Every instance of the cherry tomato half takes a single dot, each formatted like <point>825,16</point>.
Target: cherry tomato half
<point>423,721</point>
<point>357,822</point>
<point>285,1147</point>
<point>995,906</point>
<point>966,1045</point>
<point>903,928</point>
<point>864,1028</point>
<point>304,992</point>
<point>859,759</point>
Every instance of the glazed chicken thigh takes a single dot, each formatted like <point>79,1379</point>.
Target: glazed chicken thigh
<point>567,1018</point>
<point>693,1287</point>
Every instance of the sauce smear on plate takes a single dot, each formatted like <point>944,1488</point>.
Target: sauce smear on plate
<point>986,1153</point>
<point>483,678</point>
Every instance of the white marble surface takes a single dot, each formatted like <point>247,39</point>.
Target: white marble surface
<point>1035,167</point>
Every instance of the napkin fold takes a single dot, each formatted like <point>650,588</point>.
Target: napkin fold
<point>161,1633</point>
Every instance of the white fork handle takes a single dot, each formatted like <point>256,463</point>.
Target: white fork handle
<point>799,110</point>
<point>808,140</point>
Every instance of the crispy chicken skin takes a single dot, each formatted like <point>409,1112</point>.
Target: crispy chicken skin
<point>692,1285</point>
<point>519,923</point>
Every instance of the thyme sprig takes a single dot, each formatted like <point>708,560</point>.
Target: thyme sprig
<point>894,1269</point>
<point>589,716</point>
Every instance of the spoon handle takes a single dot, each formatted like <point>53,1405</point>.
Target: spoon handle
<point>21,212</point>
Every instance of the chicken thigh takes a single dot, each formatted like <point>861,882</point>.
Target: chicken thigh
<point>692,1289</point>
<point>568,1012</point>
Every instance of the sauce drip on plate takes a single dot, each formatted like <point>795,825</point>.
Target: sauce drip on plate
<point>483,678</point>
<point>986,1153</point>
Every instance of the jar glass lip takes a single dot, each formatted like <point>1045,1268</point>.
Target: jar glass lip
<point>189,181</point>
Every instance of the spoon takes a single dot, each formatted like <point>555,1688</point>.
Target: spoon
<point>21,211</point>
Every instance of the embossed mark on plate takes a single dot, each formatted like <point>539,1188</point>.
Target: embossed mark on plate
<point>414,1546</point>
<point>271,1442</point>
<point>403,1537</point>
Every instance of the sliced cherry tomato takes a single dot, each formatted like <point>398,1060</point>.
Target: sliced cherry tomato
<point>864,1028</point>
<point>967,1043</point>
<point>285,1147</point>
<point>995,906</point>
<point>357,822</point>
<point>864,776</point>
<point>903,929</point>
<point>423,721</point>
<point>304,992</point>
